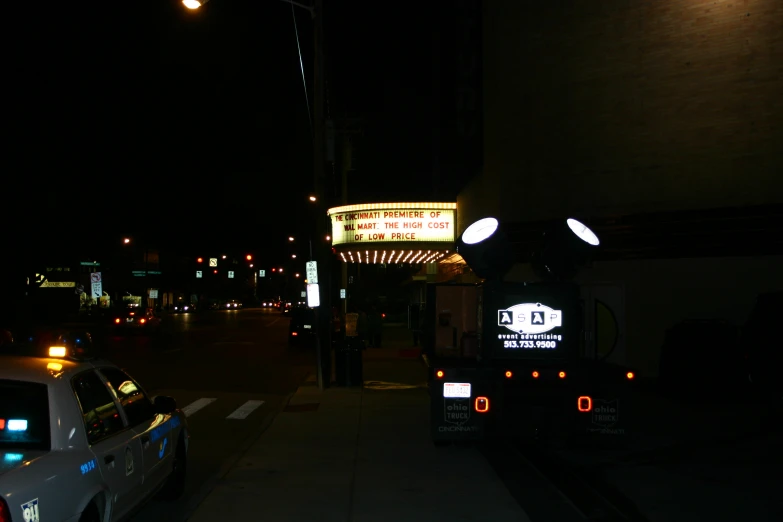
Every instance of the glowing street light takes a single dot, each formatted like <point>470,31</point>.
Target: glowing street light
<point>126,240</point>
<point>251,265</point>
<point>194,4</point>
<point>248,257</point>
<point>328,238</point>
<point>200,260</point>
<point>223,257</point>
<point>293,256</point>
<point>280,270</point>
<point>290,238</point>
<point>296,275</point>
<point>313,198</point>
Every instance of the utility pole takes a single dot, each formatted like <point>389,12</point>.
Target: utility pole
<point>319,160</point>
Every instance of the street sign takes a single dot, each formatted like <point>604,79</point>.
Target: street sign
<point>312,272</point>
<point>153,293</point>
<point>313,296</point>
<point>212,261</point>
<point>58,284</point>
<point>262,273</point>
<point>95,277</point>
<point>342,293</point>
<point>198,273</point>
<point>231,275</point>
<point>97,290</point>
<point>89,263</point>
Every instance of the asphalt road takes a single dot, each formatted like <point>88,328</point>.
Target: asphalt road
<point>213,363</point>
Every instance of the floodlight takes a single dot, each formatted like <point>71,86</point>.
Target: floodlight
<point>485,248</point>
<point>567,246</point>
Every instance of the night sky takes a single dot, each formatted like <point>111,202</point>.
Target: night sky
<point>192,127</point>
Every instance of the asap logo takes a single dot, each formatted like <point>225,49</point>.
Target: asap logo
<point>530,318</point>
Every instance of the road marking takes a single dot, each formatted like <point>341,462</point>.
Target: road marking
<point>246,409</point>
<point>194,406</point>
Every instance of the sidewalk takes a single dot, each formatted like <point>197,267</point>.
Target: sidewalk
<point>361,455</point>
<point>697,460</point>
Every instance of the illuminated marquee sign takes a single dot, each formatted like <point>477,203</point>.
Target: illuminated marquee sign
<point>532,326</point>
<point>393,223</point>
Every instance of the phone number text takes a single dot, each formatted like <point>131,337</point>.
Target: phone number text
<point>543,345</point>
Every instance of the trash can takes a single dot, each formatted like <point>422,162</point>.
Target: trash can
<point>348,362</point>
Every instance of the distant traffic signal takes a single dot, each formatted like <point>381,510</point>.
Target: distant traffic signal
<point>199,260</point>
<point>248,257</point>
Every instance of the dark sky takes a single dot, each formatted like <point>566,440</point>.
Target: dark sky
<point>192,127</point>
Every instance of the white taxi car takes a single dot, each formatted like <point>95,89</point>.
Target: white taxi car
<point>80,440</point>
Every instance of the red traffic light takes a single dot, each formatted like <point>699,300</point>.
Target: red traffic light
<point>249,257</point>
<point>199,260</point>
<point>214,271</point>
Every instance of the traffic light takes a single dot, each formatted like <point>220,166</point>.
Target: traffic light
<point>214,271</point>
<point>199,260</point>
<point>249,257</point>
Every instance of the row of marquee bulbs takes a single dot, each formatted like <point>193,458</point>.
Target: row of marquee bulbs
<point>201,259</point>
<point>394,257</point>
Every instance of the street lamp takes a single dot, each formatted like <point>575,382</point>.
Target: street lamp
<point>194,4</point>
<point>126,240</point>
<point>319,146</point>
<point>293,256</point>
<point>290,238</point>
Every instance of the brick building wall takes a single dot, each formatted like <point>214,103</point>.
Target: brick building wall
<point>617,106</point>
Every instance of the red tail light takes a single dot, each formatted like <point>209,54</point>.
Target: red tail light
<point>535,375</point>
<point>439,374</point>
<point>584,403</point>
<point>562,375</point>
<point>482,404</point>
<point>509,374</point>
<point>294,334</point>
<point>5,515</point>
<point>142,321</point>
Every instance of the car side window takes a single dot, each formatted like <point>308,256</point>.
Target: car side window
<point>134,401</point>
<point>101,417</point>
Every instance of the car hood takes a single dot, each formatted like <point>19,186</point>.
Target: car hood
<point>12,459</point>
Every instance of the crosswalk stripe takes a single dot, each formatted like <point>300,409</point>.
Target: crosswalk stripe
<point>196,405</point>
<point>246,409</point>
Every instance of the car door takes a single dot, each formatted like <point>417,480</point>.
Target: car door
<point>152,429</point>
<point>117,448</point>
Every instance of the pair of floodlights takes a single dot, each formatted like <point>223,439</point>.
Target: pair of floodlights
<point>564,249</point>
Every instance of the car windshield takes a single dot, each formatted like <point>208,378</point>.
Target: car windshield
<point>24,415</point>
